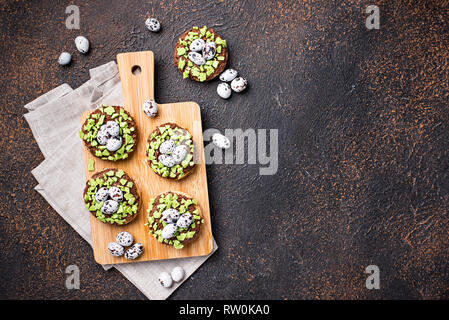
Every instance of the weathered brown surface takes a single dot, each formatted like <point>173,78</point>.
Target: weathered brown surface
<point>364,146</point>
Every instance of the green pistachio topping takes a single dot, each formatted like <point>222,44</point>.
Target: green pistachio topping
<point>91,166</point>
<point>125,208</point>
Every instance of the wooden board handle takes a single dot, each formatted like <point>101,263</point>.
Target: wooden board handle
<point>137,77</point>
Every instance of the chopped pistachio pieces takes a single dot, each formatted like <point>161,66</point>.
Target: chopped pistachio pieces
<point>161,203</point>
<point>186,66</point>
<point>91,166</point>
<point>92,127</point>
<point>181,51</point>
<point>180,137</point>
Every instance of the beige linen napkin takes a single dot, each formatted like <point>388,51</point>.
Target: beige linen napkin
<point>54,119</point>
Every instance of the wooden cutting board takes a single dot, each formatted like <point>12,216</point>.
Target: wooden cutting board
<point>137,77</point>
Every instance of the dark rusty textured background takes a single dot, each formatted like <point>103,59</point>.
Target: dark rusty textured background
<point>363,140</point>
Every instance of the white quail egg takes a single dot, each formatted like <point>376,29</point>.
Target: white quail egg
<point>165,280</point>
<point>102,194</point>
<point>64,58</point>
<point>197,45</point>
<point>170,215</point>
<point>116,194</point>
<point>166,160</point>
<point>228,75</point>
<point>82,44</point>
<point>150,108</point>
<point>134,251</point>
<point>196,58</point>
<point>167,146</point>
<point>115,249</point>
<point>209,50</point>
<point>239,84</point>
<point>113,128</point>
<point>180,153</point>
<point>153,24</point>
<point>224,90</point>
<point>177,274</point>
<point>114,143</point>
<point>221,141</point>
<point>124,239</point>
<point>184,220</point>
<point>109,207</point>
<point>169,231</point>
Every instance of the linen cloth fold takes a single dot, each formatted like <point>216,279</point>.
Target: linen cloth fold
<point>54,119</point>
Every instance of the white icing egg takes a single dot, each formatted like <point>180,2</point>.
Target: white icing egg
<point>64,58</point>
<point>102,194</point>
<point>165,280</point>
<point>167,146</point>
<point>115,249</point>
<point>177,274</point>
<point>169,231</point>
<point>82,44</point>
<point>184,220</point>
<point>116,194</point>
<point>114,143</point>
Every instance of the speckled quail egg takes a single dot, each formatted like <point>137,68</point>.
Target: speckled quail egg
<point>167,160</point>
<point>169,231</point>
<point>102,137</point>
<point>113,128</point>
<point>184,220</point>
<point>221,141</point>
<point>177,274</point>
<point>109,207</point>
<point>114,143</point>
<point>196,58</point>
<point>209,50</point>
<point>167,146</point>
<point>165,280</point>
<point>82,44</point>
<point>228,75</point>
<point>150,108</point>
<point>239,84</point>
<point>116,194</point>
<point>64,58</point>
<point>180,153</point>
<point>170,215</point>
<point>134,251</point>
<point>224,90</point>
<point>124,239</point>
<point>102,194</point>
<point>153,24</point>
<point>115,249</point>
<point>197,45</point>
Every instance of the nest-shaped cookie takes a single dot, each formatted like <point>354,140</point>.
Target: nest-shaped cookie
<point>184,204</point>
<point>180,168</point>
<point>128,207</point>
<point>211,68</point>
<point>95,127</point>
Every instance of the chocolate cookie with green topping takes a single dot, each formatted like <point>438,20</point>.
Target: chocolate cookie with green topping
<point>109,133</point>
<point>170,151</point>
<point>112,197</point>
<point>174,219</point>
<point>201,54</point>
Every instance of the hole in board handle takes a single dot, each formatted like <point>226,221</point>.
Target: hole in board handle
<point>136,70</point>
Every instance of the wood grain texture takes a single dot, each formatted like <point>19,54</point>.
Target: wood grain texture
<point>138,88</point>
